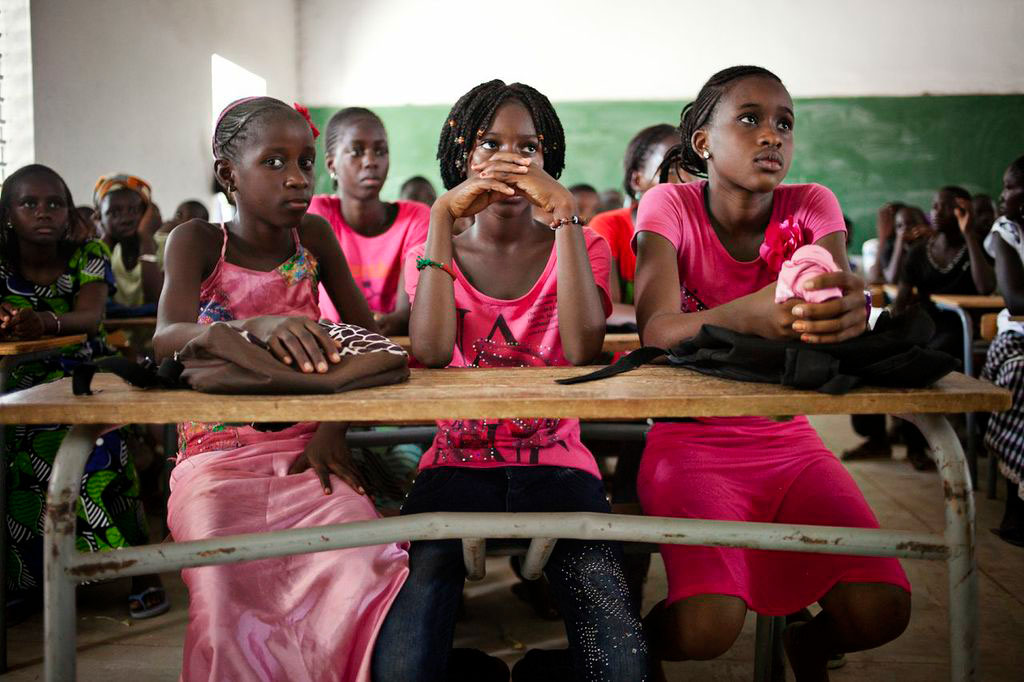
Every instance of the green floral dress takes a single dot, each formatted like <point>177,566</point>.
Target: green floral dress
<point>109,511</point>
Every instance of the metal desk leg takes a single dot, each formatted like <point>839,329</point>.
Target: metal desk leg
<point>965,322</point>
<point>960,538</point>
<point>59,549</point>
<point>769,657</point>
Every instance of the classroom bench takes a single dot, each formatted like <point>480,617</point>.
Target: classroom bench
<point>504,393</point>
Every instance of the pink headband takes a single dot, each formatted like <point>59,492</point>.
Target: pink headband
<point>303,111</point>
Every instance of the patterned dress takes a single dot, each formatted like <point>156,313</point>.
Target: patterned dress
<point>109,510</point>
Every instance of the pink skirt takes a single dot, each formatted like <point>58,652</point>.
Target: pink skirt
<point>306,617</point>
<point>755,469</point>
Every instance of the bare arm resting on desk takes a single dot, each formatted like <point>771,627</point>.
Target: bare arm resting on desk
<point>661,324</point>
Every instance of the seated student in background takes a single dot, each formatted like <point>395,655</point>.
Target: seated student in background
<point>588,201</point>
<point>90,229</point>
<point>418,188</point>
<point>644,156</point>
<point>129,220</point>
<point>304,617</point>
<point>698,263</point>
<point>187,210</point>
<point>1004,366</point>
<point>53,282</point>
<point>611,199</point>
<point>374,235</point>
<point>899,226</point>
<point>984,211</point>
<point>508,292</point>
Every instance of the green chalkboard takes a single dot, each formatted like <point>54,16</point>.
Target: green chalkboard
<point>868,150</point>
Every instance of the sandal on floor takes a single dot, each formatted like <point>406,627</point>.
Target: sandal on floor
<point>137,604</point>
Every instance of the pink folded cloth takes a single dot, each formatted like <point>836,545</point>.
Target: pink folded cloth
<point>806,263</point>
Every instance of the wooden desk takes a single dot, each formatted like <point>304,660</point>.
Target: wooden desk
<point>115,323</point>
<point>494,393</point>
<point>47,343</point>
<point>613,343</point>
<point>994,302</point>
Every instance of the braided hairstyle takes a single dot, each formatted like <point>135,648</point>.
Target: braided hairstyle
<point>696,115</point>
<point>474,112</point>
<point>9,242</point>
<point>637,151</point>
<point>336,126</point>
<point>232,128</point>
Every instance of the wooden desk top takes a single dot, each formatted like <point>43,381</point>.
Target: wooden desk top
<point>613,343</point>
<point>35,345</point>
<point>113,323</point>
<point>971,302</point>
<point>492,393</point>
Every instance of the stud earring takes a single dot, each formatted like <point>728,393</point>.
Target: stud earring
<point>334,176</point>
<point>706,154</point>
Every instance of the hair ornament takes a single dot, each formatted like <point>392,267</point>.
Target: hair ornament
<point>309,119</point>
<point>451,123</point>
<point>460,140</point>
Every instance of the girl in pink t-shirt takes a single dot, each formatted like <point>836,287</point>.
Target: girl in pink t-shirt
<point>509,292</point>
<point>374,235</point>
<point>700,261</point>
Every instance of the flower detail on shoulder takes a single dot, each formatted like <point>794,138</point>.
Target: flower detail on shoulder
<point>781,240</point>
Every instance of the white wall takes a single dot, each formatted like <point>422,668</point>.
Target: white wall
<point>394,52</point>
<point>124,85</point>
<point>16,86</point>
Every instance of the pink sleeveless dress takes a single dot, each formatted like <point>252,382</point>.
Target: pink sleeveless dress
<point>307,617</point>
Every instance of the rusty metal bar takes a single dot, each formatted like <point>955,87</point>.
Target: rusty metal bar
<point>961,561</point>
<point>537,557</point>
<point>474,554</point>
<point>59,550</point>
<point>524,526</point>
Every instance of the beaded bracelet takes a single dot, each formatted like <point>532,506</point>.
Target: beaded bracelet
<point>562,222</point>
<point>423,263</point>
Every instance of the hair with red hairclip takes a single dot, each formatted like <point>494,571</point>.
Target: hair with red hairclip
<point>230,129</point>
<point>309,119</point>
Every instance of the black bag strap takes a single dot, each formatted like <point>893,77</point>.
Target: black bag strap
<point>144,374</point>
<point>627,363</point>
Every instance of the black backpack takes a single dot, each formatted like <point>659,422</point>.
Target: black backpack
<point>893,354</point>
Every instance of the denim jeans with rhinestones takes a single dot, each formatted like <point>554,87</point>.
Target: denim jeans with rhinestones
<point>602,623</point>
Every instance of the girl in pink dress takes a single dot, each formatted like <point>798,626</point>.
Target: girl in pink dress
<point>374,235</point>
<point>698,263</point>
<point>509,292</point>
<point>309,616</point>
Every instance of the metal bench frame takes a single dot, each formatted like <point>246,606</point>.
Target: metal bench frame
<point>65,567</point>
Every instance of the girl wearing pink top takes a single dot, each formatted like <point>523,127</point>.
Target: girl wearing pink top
<point>509,292</point>
<point>698,263</point>
<point>374,235</point>
<point>307,617</point>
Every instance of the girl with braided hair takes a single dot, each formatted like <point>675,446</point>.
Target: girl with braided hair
<point>306,617</point>
<point>708,253</point>
<point>509,291</point>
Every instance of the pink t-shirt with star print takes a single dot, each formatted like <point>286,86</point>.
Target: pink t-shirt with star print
<point>521,332</point>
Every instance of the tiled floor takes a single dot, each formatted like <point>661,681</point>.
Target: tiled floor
<point>113,647</point>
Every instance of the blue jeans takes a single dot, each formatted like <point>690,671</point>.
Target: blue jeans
<point>602,623</point>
